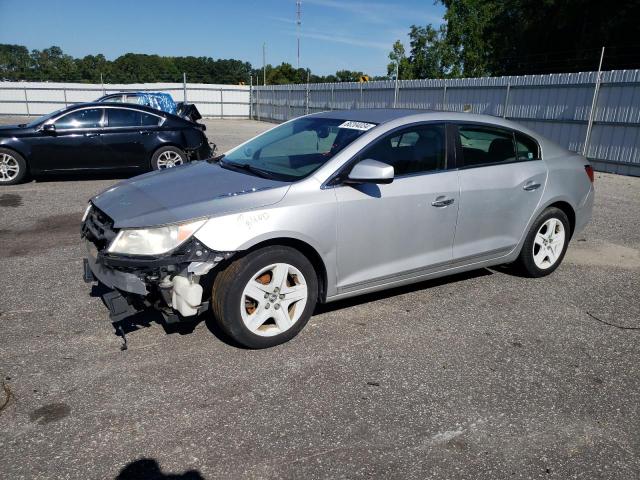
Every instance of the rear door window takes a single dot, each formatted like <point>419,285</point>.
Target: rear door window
<point>486,145</point>
<point>123,117</point>
<point>86,118</point>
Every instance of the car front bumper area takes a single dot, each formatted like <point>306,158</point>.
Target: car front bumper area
<point>171,283</point>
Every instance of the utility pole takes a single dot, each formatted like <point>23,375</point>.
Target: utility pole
<point>298,27</point>
<point>395,90</point>
<point>264,63</point>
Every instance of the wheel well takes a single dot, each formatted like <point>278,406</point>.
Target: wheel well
<point>19,153</point>
<point>308,251</point>
<point>569,212</point>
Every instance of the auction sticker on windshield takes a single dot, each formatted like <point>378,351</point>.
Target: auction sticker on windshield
<point>357,125</point>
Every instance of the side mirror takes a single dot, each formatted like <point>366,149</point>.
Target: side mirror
<point>370,171</point>
<point>49,128</point>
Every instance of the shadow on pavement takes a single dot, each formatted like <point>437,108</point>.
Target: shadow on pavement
<point>392,292</point>
<point>144,318</point>
<point>77,176</point>
<point>149,469</point>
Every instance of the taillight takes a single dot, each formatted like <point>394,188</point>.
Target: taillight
<point>589,170</point>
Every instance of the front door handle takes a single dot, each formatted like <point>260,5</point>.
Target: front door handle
<point>531,186</point>
<point>91,134</point>
<point>442,201</point>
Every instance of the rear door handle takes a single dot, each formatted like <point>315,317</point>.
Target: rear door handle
<point>442,201</point>
<point>91,134</point>
<point>531,186</point>
<point>145,132</point>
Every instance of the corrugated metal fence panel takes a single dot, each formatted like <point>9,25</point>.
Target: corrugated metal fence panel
<point>557,106</point>
<point>39,98</point>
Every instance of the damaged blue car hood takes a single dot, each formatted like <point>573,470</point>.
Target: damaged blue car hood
<point>195,190</point>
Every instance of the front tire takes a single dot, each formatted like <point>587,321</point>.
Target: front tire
<point>546,244</point>
<point>265,298</point>
<point>168,157</point>
<point>13,167</point>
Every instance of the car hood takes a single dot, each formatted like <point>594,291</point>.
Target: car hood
<point>195,190</point>
<point>12,130</point>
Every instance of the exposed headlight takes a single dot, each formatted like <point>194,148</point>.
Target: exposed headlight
<point>153,241</point>
<point>86,212</point>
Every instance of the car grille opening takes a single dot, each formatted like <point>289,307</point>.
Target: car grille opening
<point>98,228</point>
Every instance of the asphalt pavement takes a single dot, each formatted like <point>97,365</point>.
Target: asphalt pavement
<point>483,375</point>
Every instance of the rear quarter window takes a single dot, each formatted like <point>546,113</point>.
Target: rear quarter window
<point>527,148</point>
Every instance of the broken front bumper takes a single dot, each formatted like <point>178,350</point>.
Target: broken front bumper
<point>172,283</point>
<point>109,277</point>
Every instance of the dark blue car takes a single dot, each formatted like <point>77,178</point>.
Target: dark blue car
<point>99,136</point>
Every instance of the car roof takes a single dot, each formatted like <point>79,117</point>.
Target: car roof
<point>135,106</point>
<point>385,115</point>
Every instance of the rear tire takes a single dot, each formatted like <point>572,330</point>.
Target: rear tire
<point>545,245</point>
<point>13,167</point>
<point>266,297</point>
<point>168,157</point>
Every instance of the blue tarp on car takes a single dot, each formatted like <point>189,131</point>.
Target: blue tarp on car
<point>157,100</point>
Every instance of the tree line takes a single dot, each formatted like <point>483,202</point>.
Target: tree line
<point>52,64</point>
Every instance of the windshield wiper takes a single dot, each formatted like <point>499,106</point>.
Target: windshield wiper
<point>249,168</point>
<point>216,159</point>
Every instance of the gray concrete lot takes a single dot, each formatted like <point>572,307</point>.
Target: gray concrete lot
<point>482,375</point>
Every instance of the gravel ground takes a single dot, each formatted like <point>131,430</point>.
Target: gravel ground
<point>481,375</point>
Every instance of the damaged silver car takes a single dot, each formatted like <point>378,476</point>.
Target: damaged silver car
<point>330,206</point>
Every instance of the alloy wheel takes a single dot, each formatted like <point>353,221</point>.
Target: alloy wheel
<point>274,299</point>
<point>548,243</point>
<point>169,159</point>
<point>9,167</point>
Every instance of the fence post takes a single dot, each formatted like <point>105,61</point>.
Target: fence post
<point>288,114</point>
<point>102,83</point>
<point>332,97</point>
<point>306,106</point>
<point>26,101</point>
<point>221,104</point>
<point>64,92</point>
<point>258,102</point>
<point>444,97</point>
<point>506,101</point>
<point>594,104</point>
<point>360,101</point>
<point>184,87</point>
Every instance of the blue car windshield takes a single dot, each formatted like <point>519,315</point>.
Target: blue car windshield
<point>295,149</point>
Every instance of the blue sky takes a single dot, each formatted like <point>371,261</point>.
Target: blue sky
<point>336,34</point>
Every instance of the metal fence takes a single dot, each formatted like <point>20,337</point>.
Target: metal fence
<point>558,106</point>
<point>39,98</point>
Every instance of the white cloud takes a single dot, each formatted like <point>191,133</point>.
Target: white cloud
<point>344,39</point>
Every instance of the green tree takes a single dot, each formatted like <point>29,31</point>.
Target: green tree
<point>15,62</point>
<point>398,56</point>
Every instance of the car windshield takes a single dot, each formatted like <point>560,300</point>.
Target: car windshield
<point>295,149</point>
<point>44,118</point>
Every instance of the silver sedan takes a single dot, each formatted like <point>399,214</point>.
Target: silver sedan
<point>333,205</point>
